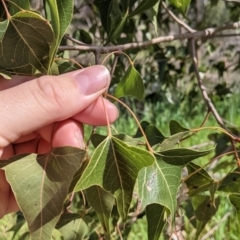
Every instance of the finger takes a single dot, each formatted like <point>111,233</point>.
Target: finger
<point>65,133</point>
<point>27,137</point>
<point>4,193</point>
<point>26,147</point>
<point>68,133</point>
<point>7,152</point>
<point>48,99</point>
<point>7,200</point>
<point>99,113</point>
<point>94,115</point>
<point>43,146</point>
<point>12,203</point>
<point>16,80</point>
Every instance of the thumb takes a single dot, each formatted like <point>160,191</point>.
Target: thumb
<point>29,106</point>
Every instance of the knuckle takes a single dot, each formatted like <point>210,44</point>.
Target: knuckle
<point>51,92</point>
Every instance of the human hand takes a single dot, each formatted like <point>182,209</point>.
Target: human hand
<point>48,112</point>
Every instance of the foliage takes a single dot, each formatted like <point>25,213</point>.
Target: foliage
<point>120,180</point>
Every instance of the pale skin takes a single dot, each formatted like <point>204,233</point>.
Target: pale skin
<point>40,114</point>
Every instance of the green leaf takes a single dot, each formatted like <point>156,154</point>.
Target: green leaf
<point>61,16</point>
<point>144,125</point>
<point>83,36</point>
<point>159,182</point>
<point>181,156</point>
<point>41,186</point>
<point>66,218</point>
<point>131,84</point>
<point>64,66</point>
<point>3,29</point>
<point>175,127</point>
<point>117,27</point>
<point>204,209</point>
<point>182,5</point>
<point>56,234</point>
<point>24,236</point>
<point>171,141</point>
<point>104,8</point>
<point>235,201</point>
<point>102,202</point>
<point>154,136</point>
<point>26,43</point>
<point>72,226</point>
<point>156,220</point>
<point>200,181</point>
<point>97,139</point>
<point>114,167</point>
<point>143,6</point>
<point>230,183</point>
<point>18,6</point>
<point>154,13</point>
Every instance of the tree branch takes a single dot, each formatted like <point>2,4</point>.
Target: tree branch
<point>196,35</point>
<point>202,87</point>
<point>180,22</point>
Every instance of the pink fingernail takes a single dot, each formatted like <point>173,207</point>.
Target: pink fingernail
<point>92,79</point>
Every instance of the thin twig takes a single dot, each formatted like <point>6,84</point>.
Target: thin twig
<point>97,57</point>
<point>115,60</point>
<point>179,21</point>
<point>235,152</point>
<point>202,87</point>
<point>225,35</point>
<point>74,40</point>
<point>196,35</point>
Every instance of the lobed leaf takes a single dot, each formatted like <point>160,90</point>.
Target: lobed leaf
<point>131,84</point>
<point>25,43</point>
<point>159,182</point>
<point>114,167</point>
<point>41,186</point>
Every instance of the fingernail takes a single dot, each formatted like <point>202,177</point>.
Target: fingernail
<point>92,79</point>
